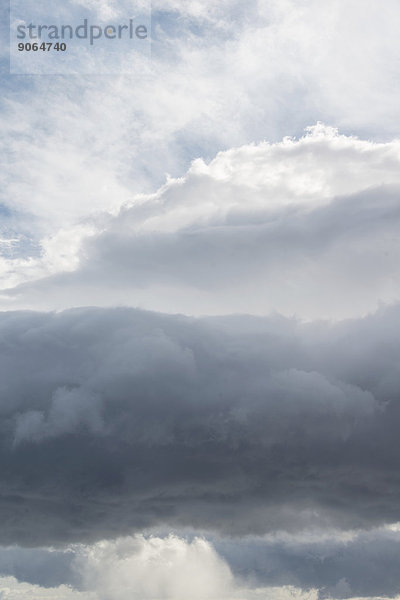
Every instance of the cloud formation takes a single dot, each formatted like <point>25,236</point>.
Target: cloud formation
<point>318,564</point>
<point>222,75</point>
<point>269,446</point>
<point>303,227</point>
<point>169,568</point>
<point>118,420</point>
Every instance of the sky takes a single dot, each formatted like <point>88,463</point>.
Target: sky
<point>200,306</point>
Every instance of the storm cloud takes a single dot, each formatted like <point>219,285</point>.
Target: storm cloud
<point>117,420</point>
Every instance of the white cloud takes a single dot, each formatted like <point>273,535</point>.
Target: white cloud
<point>305,227</point>
<point>12,589</point>
<point>148,568</point>
<point>173,567</point>
<point>169,568</point>
<point>68,155</point>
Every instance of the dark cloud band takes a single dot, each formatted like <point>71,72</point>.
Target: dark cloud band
<point>119,419</point>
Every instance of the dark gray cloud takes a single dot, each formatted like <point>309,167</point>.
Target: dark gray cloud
<point>116,419</point>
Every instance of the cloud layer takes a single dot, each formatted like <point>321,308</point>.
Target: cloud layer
<point>304,227</point>
<point>118,420</point>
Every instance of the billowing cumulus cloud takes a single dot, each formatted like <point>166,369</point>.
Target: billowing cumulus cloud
<point>312,565</point>
<point>305,228</point>
<point>169,568</point>
<point>157,568</point>
<point>117,420</point>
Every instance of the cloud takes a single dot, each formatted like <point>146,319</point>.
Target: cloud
<point>221,76</point>
<point>157,568</point>
<point>169,568</point>
<point>70,410</point>
<point>123,422</point>
<point>116,420</point>
<point>313,565</point>
<point>305,227</point>
<point>11,589</point>
<point>357,565</point>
